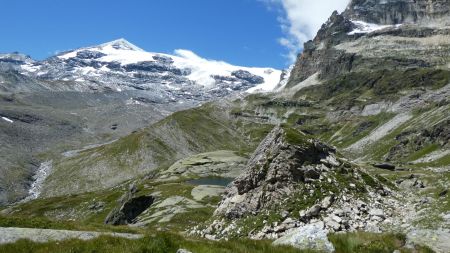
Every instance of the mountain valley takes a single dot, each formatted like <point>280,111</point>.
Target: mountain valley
<point>348,151</point>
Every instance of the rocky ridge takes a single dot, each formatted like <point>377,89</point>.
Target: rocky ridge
<point>368,37</point>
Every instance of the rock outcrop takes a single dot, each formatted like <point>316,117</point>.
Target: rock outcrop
<point>310,237</point>
<point>131,207</point>
<point>284,159</point>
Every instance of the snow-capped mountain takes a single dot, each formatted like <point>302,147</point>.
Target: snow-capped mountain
<point>120,65</point>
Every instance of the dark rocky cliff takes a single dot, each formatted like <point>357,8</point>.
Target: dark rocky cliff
<point>398,11</point>
<point>400,35</point>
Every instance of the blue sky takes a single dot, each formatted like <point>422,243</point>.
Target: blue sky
<point>241,32</point>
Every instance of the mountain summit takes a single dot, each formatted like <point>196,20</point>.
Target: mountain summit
<point>119,65</point>
<point>122,44</point>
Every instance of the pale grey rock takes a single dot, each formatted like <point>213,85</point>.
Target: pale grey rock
<point>183,251</point>
<point>313,211</point>
<point>327,202</point>
<point>11,235</point>
<point>202,191</point>
<point>438,240</point>
<point>377,212</point>
<point>312,236</point>
<point>333,224</point>
<point>336,218</point>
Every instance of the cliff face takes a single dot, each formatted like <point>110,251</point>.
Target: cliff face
<point>390,12</point>
<point>374,35</point>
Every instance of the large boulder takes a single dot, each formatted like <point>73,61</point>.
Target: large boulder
<point>309,237</point>
<point>131,207</point>
<point>129,210</point>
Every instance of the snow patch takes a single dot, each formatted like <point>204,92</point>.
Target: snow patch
<point>285,80</point>
<point>363,27</point>
<point>7,119</point>
<point>29,68</point>
<point>203,69</point>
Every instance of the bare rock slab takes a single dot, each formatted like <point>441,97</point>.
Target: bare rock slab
<point>312,237</point>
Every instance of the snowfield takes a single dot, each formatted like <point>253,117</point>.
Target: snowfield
<point>201,69</point>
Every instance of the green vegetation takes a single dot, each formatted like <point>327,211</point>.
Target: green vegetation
<point>45,223</point>
<point>372,243</point>
<point>356,128</point>
<point>422,152</point>
<point>158,243</point>
<point>359,87</point>
<point>295,137</point>
<point>74,207</point>
<point>168,242</point>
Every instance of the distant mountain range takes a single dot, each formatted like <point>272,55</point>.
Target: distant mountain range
<point>119,65</point>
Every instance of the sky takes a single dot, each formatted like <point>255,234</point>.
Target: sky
<point>263,33</point>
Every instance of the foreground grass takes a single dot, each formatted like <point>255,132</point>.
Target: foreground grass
<point>169,242</point>
<point>44,223</point>
<point>373,243</point>
<point>160,243</point>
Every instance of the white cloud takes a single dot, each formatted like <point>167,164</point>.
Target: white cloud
<point>301,19</point>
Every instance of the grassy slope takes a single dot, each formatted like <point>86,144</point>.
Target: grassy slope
<point>159,243</point>
<point>202,129</point>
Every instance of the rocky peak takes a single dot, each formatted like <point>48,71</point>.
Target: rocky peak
<point>390,12</point>
<point>346,44</point>
<point>121,44</point>
<point>332,32</point>
<point>284,159</point>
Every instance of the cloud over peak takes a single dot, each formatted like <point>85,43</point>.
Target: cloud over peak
<point>301,19</point>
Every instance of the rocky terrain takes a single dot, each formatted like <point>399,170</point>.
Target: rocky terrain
<point>292,181</point>
<point>348,153</point>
